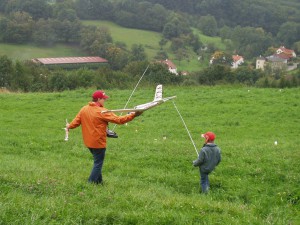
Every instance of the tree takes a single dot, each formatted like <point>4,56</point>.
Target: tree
<point>162,43</point>
<point>161,55</point>
<point>21,80</point>
<point>58,81</point>
<point>18,28</point>
<point>6,70</point>
<point>251,41</point>
<point>195,42</point>
<point>67,31</point>
<point>225,33</point>
<point>246,75</point>
<point>94,9</point>
<point>117,57</point>
<point>37,9</point>
<point>3,29</point>
<point>289,33</point>
<point>222,58</point>
<point>136,68</point>
<point>2,5</point>
<point>43,33</point>
<point>159,74</point>
<point>208,25</point>
<point>177,43</point>
<point>175,26</point>
<point>181,54</point>
<point>138,53</point>
<point>92,38</point>
<point>211,75</point>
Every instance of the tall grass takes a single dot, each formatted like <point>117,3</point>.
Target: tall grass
<point>149,179</point>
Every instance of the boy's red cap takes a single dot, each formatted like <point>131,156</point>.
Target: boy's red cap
<point>99,94</point>
<point>209,136</point>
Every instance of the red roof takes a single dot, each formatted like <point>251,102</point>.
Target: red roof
<point>70,60</point>
<point>282,56</point>
<point>169,63</point>
<point>236,58</point>
<point>286,50</point>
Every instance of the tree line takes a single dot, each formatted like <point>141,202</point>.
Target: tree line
<point>27,76</point>
<point>248,28</point>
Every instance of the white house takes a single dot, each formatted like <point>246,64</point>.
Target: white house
<point>260,63</point>
<point>237,60</point>
<point>171,66</point>
<point>289,52</point>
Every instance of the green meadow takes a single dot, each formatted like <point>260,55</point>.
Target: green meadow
<point>148,39</point>
<point>150,179</point>
<point>27,51</point>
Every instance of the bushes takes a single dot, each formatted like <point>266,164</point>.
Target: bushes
<point>283,82</point>
<point>29,77</point>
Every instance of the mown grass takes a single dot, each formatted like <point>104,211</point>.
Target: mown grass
<point>149,40</point>
<point>148,179</point>
<point>28,51</point>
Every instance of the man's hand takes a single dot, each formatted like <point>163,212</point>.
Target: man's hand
<point>138,113</point>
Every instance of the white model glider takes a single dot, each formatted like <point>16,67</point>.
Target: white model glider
<point>158,99</point>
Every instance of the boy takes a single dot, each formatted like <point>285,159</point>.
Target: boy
<point>209,158</point>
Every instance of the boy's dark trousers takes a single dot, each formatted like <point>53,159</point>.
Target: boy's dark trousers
<point>204,182</point>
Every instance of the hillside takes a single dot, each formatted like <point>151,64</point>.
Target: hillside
<point>148,39</point>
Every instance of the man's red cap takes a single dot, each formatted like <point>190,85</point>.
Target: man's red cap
<point>209,136</point>
<point>99,94</point>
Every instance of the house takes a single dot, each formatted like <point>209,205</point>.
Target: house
<point>279,60</point>
<point>236,61</point>
<point>171,66</point>
<point>92,62</point>
<point>260,63</point>
<point>184,73</point>
<point>284,51</point>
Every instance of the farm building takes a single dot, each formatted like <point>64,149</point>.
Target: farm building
<point>92,62</point>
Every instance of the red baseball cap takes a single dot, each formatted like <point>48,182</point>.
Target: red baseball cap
<point>99,94</point>
<point>209,136</point>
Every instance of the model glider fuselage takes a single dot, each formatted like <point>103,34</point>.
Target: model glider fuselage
<point>158,100</point>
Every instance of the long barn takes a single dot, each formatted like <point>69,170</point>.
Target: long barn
<point>92,62</point>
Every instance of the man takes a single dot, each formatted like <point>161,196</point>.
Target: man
<point>94,125</point>
<point>209,157</point>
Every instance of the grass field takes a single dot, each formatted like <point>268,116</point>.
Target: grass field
<point>27,52</point>
<point>149,179</point>
<point>148,39</point>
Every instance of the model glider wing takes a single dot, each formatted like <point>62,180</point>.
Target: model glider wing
<point>143,107</point>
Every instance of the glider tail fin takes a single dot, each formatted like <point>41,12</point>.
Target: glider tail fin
<point>158,93</point>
